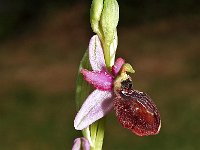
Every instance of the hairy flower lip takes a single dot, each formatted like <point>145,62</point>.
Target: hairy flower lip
<point>137,112</point>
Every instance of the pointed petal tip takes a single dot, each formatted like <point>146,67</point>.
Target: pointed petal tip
<point>76,125</point>
<point>120,59</point>
<point>117,66</point>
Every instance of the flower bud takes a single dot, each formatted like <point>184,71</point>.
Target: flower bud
<point>95,14</point>
<point>109,20</point>
<point>81,144</point>
<point>104,17</point>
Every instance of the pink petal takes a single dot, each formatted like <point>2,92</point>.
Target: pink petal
<point>77,144</point>
<point>80,143</point>
<point>96,55</point>
<point>101,80</point>
<point>97,105</point>
<point>117,66</point>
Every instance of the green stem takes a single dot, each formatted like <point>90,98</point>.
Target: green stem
<point>97,134</point>
<point>107,56</point>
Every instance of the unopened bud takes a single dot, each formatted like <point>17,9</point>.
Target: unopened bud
<point>95,14</point>
<point>81,144</point>
<point>109,20</point>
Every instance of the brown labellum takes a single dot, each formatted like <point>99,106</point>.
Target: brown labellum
<point>136,111</point>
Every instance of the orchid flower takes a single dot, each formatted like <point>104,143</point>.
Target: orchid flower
<point>113,90</point>
<point>81,144</point>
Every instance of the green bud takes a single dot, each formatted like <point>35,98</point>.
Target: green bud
<point>109,20</point>
<point>95,14</point>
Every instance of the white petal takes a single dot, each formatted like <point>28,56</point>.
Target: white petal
<point>97,105</point>
<point>96,55</point>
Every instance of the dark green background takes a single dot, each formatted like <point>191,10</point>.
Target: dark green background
<point>41,45</point>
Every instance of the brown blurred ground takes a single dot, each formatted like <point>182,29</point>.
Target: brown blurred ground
<point>38,73</point>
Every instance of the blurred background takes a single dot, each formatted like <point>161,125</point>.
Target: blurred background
<point>42,43</point>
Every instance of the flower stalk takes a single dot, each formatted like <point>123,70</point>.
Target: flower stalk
<point>104,16</point>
